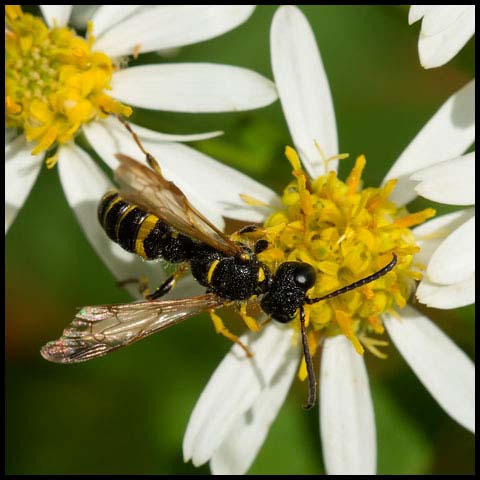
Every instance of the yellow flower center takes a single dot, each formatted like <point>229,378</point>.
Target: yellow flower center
<point>346,233</point>
<point>54,83</point>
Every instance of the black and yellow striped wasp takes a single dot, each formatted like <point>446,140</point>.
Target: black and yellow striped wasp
<point>151,217</point>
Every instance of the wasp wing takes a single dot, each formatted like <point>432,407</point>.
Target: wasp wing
<point>149,190</point>
<point>99,330</point>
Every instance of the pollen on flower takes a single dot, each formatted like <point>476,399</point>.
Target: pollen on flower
<point>346,233</point>
<point>54,83</point>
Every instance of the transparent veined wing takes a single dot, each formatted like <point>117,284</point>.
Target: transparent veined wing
<point>98,330</point>
<point>149,190</point>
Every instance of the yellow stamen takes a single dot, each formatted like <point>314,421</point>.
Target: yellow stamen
<point>136,50</point>
<point>13,11</point>
<point>302,370</point>
<point>52,160</point>
<point>325,160</point>
<point>12,107</point>
<point>376,324</point>
<point>252,201</point>
<point>346,233</point>
<point>46,140</point>
<point>415,218</point>
<point>305,197</point>
<point>379,198</point>
<point>353,180</point>
<point>371,345</point>
<point>345,322</point>
<point>307,315</point>
<point>54,82</point>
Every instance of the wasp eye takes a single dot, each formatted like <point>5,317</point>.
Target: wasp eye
<point>304,276</point>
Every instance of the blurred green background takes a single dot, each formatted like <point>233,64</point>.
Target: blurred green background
<point>127,413</point>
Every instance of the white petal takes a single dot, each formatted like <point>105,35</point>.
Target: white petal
<point>240,447</point>
<point>440,17</point>
<point>431,234</point>
<point>167,26</point>
<point>10,135</point>
<point>417,12</point>
<point>21,171</point>
<point>174,137</point>
<point>303,88</point>
<point>56,15</point>
<point>446,296</point>
<point>446,135</point>
<point>193,87</point>
<point>146,133</point>
<point>454,260</point>
<point>451,182</point>
<point>233,388</point>
<point>444,32</point>
<point>347,421</point>
<point>445,371</point>
<point>84,184</point>
<point>107,139</point>
<point>108,15</point>
<point>212,182</point>
<point>81,14</point>
<point>212,187</point>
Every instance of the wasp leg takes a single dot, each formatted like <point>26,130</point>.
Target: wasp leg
<point>150,158</point>
<point>223,330</point>
<point>143,286</point>
<point>167,285</point>
<point>250,322</point>
<point>265,323</point>
<point>248,229</point>
<point>260,246</point>
<point>163,289</point>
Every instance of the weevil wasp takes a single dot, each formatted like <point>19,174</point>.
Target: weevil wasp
<point>151,217</point>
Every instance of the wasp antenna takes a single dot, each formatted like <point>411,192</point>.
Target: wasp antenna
<point>312,384</point>
<point>358,283</point>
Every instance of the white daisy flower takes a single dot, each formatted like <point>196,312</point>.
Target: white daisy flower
<point>445,30</point>
<point>58,84</point>
<point>346,233</point>
<point>449,280</point>
<point>439,172</point>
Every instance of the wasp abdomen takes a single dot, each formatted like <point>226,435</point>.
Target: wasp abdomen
<point>140,232</point>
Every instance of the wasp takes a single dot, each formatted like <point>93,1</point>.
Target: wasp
<point>151,217</point>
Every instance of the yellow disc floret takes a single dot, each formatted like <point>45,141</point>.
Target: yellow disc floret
<point>346,233</point>
<point>54,83</point>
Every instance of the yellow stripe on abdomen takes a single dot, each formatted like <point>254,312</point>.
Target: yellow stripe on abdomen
<point>147,226</point>
<point>112,204</point>
<point>122,217</point>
